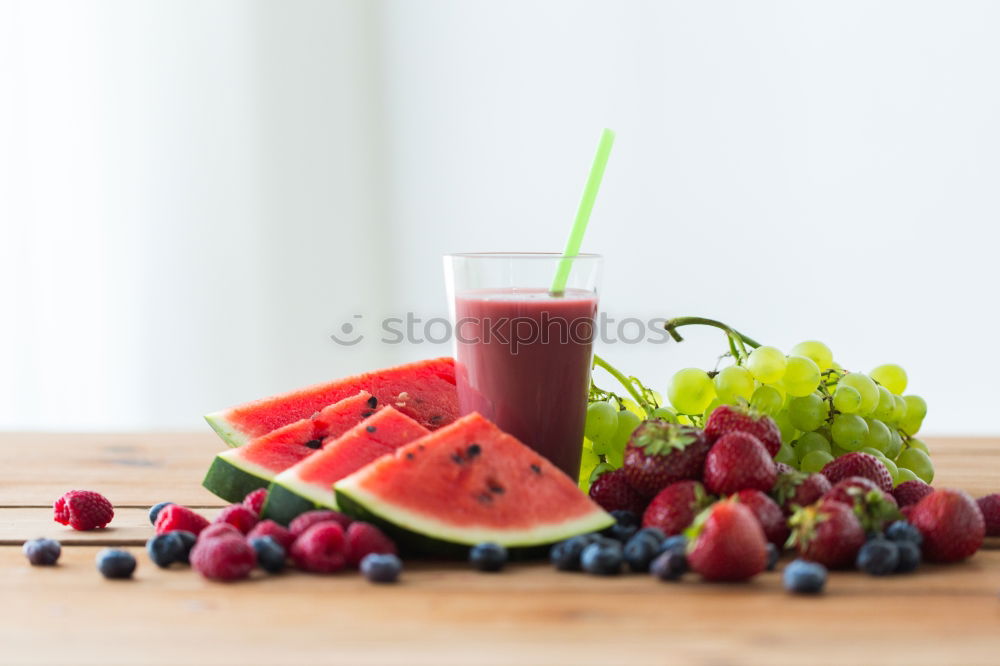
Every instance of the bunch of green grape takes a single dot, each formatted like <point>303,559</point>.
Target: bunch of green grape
<point>823,411</point>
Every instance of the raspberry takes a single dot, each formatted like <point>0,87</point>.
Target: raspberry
<point>911,492</point>
<point>83,510</point>
<point>309,518</point>
<point>238,516</point>
<point>364,539</point>
<point>274,530</point>
<point>219,530</point>
<point>990,506</point>
<point>176,517</point>
<point>321,548</point>
<point>223,558</point>
<point>255,500</point>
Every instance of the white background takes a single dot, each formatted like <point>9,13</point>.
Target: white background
<point>194,195</point>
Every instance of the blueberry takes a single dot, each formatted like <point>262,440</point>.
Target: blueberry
<point>671,564</point>
<point>379,568</point>
<point>488,556</point>
<point>804,577</point>
<point>909,556</point>
<point>188,539</point>
<point>114,563</point>
<point>42,552</point>
<point>677,542</point>
<point>901,530</point>
<point>565,555</point>
<point>654,533</point>
<point>165,549</point>
<point>772,556</point>
<point>640,550</point>
<point>878,557</point>
<point>624,517</point>
<point>602,558</point>
<point>154,511</point>
<point>270,554</point>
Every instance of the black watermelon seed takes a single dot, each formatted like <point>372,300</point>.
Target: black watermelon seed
<point>365,414</point>
<point>409,456</point>
<point>495,487</point>
<point>536,469</point>
<point>457,457</point>
<point>373,402</point>
<point>314,443</point>
<point>370,428</point>
<point>485,498</point>
<point>473,450</point>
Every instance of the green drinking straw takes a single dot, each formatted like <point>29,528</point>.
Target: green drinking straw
<point>583,212</point>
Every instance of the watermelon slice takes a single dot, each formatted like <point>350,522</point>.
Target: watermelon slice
<point>236,472</point>
<point>424,390</point>
<point>308,484</point>
<point>467,483</point>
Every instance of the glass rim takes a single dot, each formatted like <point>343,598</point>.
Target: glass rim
<point>520,255</point>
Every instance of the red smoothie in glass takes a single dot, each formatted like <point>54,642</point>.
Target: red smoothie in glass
<point>524,363</point>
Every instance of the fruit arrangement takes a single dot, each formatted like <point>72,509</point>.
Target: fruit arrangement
<point>819,411</point>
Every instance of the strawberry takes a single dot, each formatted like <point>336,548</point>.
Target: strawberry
<point>727,543</point>
<point>873,506</point>
<point>675,507</point>
<point>783,468</point>
<point>990,506</point>
<point>612,492</point>
<point>911,492</point>
<point>952,525</point>
<point>768,514</point>
<point>729,418</point>
<point>859,464</point>
<point>798,489</point>
<point>660,453</point>
<point>827,532</point>
<point>738,461</point>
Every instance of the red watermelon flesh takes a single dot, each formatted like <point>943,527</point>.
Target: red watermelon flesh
<point>424,391</point>
<point>309,484</point>
<point>467,483</point>
<point>236,472</point>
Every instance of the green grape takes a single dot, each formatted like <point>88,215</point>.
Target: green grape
<point>801,376</point>
<point>766,399</point>
<point>767,364</point>
<point>890,376</point>
<point>734,383</point>
<point>846,399</point>
<point>917,461</point>
<point>849,431</point>
<point>615,458</point>
<point>838,451</point>
<point>628,421</point>
<point>898,409</point>
<point>809,442</point>
<point>664,414</point>
<point>786,455</point>
<point>893,470</point>
<point>872,452</point>
<point>815,350</point>
<point>886,405</point>
<point>588,462</point>
<point>895,444</point>
<point>916,410</point>
<point>919,444</point>
<point>785,425</point>
<point>601,425</point>
<point>905,475</point>
<point>815,461</point>
<point>712,406</point>
<point>864,385</point>
<point>808,412</point>
<point>690,391</point>
<point>879,437</point>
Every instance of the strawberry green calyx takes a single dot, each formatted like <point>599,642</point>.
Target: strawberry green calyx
<point>803,523</point>
<point>787,486</point>
<point>659,438</point>
<point>873,509</point>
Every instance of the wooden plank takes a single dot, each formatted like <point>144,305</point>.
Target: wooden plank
<point>130,469</point>
<point>445,614</point>
<point>130,527</point>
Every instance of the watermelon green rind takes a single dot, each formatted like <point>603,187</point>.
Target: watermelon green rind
<point>231,477</point>
<point>435,537</point>
<point>283,504</point>
<point>225,429</point>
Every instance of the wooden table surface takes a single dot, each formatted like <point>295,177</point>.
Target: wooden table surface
<point>441,613</point>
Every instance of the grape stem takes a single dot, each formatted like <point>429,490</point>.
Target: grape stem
<point>737,340</point>
<point>622,379</point>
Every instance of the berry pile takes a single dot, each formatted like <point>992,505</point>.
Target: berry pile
<point>820,411</point>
